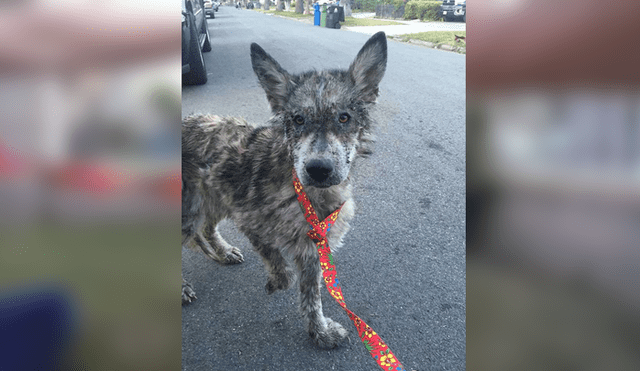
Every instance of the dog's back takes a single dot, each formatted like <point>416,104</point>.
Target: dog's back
<point>208,139</point>
<point>207,142</point>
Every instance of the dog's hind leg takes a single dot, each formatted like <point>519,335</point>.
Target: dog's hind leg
<point>325,332</point>
<point>216,247</point>
<point>188,294</point>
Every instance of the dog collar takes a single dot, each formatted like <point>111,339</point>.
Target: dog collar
<point>318,233</point>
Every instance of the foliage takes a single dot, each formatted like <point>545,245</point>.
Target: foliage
<point>397,3</point>
<point>423,10</point>
<point>367,5</point>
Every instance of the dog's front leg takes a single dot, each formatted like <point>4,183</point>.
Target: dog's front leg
<point>280,274</point>
<point>325,332</point>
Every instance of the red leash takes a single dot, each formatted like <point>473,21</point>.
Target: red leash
<point>374,344</point>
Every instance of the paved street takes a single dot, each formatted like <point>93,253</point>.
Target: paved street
<point>402,267</point>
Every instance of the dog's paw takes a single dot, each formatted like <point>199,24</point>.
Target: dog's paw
<point>188,295</point>
<point>226,257</point>
<point>330,336</point>
<point>232,257</point>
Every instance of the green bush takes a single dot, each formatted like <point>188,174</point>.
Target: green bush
<point>367,5</point>
<point>397,3</point>
<point>422,9</point>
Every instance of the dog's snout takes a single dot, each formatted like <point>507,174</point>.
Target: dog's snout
<point>319,170</point>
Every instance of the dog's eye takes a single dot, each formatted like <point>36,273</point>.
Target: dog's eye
<point>344,118</point>
<point>299,120</point>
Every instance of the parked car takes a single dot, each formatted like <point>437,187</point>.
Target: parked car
<point>195,41</point>
<point>454,10</point>
<point>210,8</point>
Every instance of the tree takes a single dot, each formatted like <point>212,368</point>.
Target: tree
<point>266,4</point>
<point>299,8</point>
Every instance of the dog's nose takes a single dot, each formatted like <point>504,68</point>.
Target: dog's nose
<point>319,170</point>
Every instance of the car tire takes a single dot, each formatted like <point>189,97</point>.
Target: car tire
<point>207,39</point>
<point>197,74</point>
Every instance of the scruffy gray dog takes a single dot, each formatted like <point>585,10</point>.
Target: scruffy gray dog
<point>230,169</point>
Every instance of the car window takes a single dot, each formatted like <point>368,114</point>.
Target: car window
<point>196,6</point>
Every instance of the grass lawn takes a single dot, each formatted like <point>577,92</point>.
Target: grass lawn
<point>285,14</point>
<point>350,21</point>
<point>293,14</point>
<point>436,37</point>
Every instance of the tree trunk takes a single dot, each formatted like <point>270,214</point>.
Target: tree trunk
<point>266,4</point>
<point>299,8</point>
<point>278,5</point>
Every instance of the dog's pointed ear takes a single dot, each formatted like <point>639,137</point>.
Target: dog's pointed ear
<point>367,69</point>
<point>275,81</point>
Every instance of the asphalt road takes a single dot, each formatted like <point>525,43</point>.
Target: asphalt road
<point>402,267</point>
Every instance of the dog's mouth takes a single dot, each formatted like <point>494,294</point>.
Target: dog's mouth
<point>322,186</point>
<point>321,173</point>
<point>329,182</point>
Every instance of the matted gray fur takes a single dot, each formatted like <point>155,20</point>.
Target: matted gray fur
<point>230,169</point>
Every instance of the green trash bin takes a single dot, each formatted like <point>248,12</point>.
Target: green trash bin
<point>323,16</point>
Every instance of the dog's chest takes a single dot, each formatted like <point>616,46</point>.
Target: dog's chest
<point>280,220</point>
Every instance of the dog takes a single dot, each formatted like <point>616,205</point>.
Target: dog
<point>320,125</point>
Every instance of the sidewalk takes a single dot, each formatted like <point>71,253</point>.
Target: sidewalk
<point>409,27</point>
